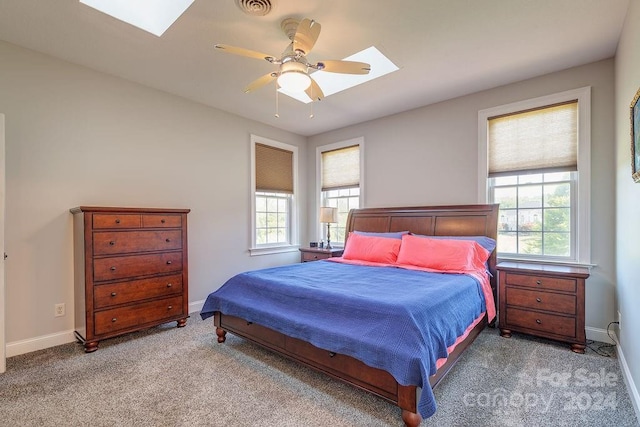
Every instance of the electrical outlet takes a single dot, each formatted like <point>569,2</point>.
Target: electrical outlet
<point>619,321</point>
<point>59,310</point>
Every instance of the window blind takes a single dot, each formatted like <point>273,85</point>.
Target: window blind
<point>274,169</point>
<point>539,140</point>
<point>341,168</point>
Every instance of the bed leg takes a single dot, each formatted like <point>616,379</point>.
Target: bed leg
<point>222,335</point>
<point>411,419</point>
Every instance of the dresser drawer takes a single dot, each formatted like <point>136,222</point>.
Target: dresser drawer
<point>116,221</point>
<point>136,290</point>
<point>117,319</point>
<point>120,267</point>
<point>540,300</point>
<point>122,242</point>
<point>549,323</point>
<point>541,282</point>
<point>161,221</point>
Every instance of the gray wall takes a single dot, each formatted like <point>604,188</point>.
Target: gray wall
<point>429,156</point>
<point>78,137</point>
<point>628,197</point>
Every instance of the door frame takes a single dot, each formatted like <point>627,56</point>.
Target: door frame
<point>3,362</point>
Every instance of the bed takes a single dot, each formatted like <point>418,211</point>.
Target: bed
<point>342,317</point>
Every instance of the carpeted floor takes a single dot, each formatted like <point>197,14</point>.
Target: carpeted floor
<point>182,377</point>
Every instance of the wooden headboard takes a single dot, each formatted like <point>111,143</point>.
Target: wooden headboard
<point>461,220</point>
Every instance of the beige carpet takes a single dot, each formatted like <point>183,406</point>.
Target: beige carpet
<point>182,377</point>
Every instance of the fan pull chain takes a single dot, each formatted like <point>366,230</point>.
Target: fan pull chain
<point>311,106</point>
<point>277,115</point>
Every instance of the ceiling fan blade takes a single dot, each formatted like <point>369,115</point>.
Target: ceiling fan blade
<point>260,81</point>
<point>344,67</point>
<point>314,92</point>
<point>244,52</point>
<point>306,35</point>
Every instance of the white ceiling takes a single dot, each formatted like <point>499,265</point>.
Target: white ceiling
<point>444,48</point>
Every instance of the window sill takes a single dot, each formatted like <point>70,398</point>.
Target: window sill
<point>273,250</point>
<point>547,262</point>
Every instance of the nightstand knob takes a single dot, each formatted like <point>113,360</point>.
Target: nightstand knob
<point>315,257</point>
<point>538,282</point>
<point>169,285</point>
<point>538,300</point>
<point>167,240</point>
<point>114,320</point>
<point>112,269</point>
<point>168,262</point>
<point>538,321</point>
<point>170,307</point>
<point>113,294</point>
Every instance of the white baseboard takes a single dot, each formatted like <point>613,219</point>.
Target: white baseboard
<point>39,343</point>
<point>45,341</point>
<point>597,334</point>
<point>195,306</point>
<point>634,395</point>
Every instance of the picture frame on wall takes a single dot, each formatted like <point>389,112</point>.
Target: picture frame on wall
<point>635,137</point>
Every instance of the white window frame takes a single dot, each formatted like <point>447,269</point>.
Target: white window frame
<point>359,141</point>
<point>583,185</point>
<point>294,225</point>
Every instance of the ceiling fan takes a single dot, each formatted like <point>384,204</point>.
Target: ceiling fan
<point>293,71</point>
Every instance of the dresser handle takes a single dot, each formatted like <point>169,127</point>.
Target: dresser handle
<point>112,269</point>
<point>113,294</point>
<point>167,240</point>
<point>162,220</point>
<point>170,307</point>
<point>168,262</point>
<point>169,285</point>
<point>118,221</point>
<point>538,300</point>
<point>538,282</point>
<point>114,319</point>
<point>331,354</point>
<point>112,243</point>
<point>538,321</point>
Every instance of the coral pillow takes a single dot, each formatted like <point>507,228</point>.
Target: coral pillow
<point>442,254</point>
<point>371,248</point>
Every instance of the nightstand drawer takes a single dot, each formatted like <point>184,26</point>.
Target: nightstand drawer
<point>539,300</point>
<point>549,323</point>
<point>311,256</point>
<point>541,282</point>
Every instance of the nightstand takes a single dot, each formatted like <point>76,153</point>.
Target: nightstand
<point>542,300</point>
<point>315,254</point>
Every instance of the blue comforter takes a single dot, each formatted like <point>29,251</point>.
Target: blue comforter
<point>390,318</point>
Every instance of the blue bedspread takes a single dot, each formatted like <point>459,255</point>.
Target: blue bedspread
<point>394,319</point>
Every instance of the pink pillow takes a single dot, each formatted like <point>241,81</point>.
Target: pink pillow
<point>371,248</point>
<point>442,254</point>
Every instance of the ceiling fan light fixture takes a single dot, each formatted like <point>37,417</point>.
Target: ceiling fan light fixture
<point>293,77</point>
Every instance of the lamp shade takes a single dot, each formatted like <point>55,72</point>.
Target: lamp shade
<point>329,215</point>
<point>293,77</point>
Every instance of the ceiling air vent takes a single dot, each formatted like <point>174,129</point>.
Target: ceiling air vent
<point>255,7</point>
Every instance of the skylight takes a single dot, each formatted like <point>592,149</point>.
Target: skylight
<point>331,83</point>
<point>154,16</point>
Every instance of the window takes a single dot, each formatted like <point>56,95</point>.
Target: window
<point>273,201</point>
<point>535,162</point>
<point>340,174</point>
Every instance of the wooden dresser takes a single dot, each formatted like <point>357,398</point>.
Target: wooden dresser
<point>543,300</point>
<point>130,270</point>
